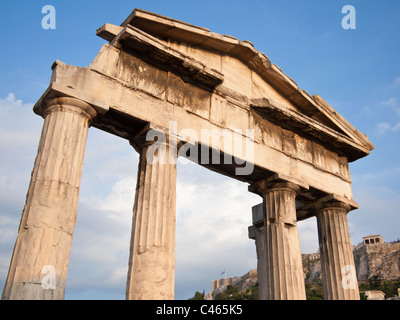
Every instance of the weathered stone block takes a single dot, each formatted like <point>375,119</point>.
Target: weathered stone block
<point>211,59</point>
<point>175,89</point>
<point>197,101</point>
<point>319,157</point>
<point>152,80</point>
<point>237,76</point>
<point>218,110</point>
<point>289,143</point>
<point>332,162</point>
<point>304,149</point>
<point>237,118</point>
<point>273,136</point>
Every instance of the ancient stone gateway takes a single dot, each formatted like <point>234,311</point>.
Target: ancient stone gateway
<point>171,88</point>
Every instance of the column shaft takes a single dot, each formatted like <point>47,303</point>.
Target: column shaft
<point>257,233</point>
<point>39,264</point>
<point>285,278</point>
<point>337,260</point>
<point>261,262</point>
<point>151,274</point>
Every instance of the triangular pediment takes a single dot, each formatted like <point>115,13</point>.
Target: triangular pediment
<point>151,35</point>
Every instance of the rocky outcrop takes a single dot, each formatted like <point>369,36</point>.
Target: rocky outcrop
<point>373,260</point>
<point>378,260</point>
<point>312,267</point>
<point>242,283</point>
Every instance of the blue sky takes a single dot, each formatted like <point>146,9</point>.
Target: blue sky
<point>356,71</point>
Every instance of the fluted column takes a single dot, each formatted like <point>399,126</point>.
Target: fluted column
<point>284,271</point>
<point>39,264</point>
<point>151,273</point>
<point>337,260</point>
<point>257,233</point>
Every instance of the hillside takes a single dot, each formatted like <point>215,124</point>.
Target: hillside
<point>380,260</point>
<point>377,267</point>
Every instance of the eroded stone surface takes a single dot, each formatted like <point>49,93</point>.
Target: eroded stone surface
<point>48,220</point>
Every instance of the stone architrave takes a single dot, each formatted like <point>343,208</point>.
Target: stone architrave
<point>284,270</point>
<point>151,273</point>
<point>39,264</point>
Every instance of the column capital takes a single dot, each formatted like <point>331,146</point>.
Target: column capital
<point>67,104</point>
<point>151,134</point>
<point>336,205</point>
<point>329,201</point>
<point>278,181</point>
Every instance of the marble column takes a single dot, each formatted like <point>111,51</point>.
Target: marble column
<point>284,270</point>
<point>337,260</point>
<point>38,268</point>
<point>151,273</point>
<point>257,233</point>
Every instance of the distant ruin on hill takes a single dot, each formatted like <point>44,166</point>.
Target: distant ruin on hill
<point>373,258</point>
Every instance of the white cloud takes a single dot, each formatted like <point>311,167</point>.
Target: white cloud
<point>396,82</point>
<point>213,214</point>
<point>100,249</point>
<point>308,235</point>
<point>16,115</point>
<point>365,111</point>
<point>12,99</point>
<point>378,212</point>
<point>396,127</point>
<point>382,128</point>
<point>212,229</point>
<point>18,123</point>
<point>391,103</point>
